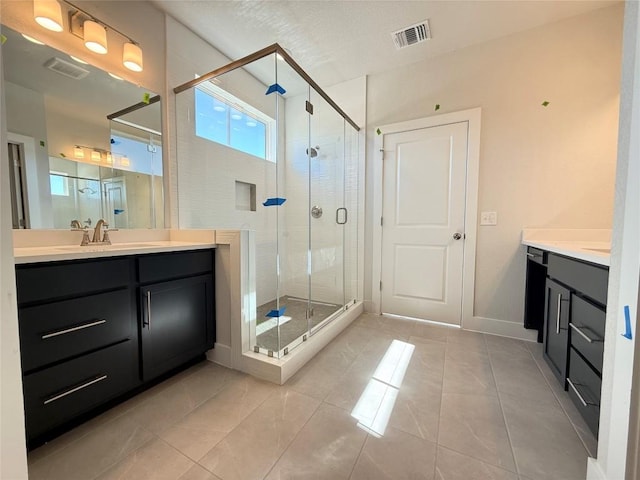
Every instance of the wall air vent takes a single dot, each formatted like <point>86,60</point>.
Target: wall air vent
<point>65,68</point>
<point>408,36</point>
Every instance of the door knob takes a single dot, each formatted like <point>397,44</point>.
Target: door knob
<point>457,236</point>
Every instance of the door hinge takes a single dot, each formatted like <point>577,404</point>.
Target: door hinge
<point>381,221</point>
<point>382,152</point>
<point>309,107</point>
<point>380,284</point>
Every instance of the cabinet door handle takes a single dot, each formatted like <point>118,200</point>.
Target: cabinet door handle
<point>75,389</point>
<point>579,395</point>
<point>558,314</point>
<point>533,255</point>
<point>73,329</point>
<point>149,310</point>
<point>579,331</point>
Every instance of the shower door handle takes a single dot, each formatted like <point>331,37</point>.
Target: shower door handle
<point>346,215</point>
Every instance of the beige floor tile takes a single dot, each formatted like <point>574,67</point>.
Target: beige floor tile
<point>471,340</point>
<point>417,409</point>
<point>545,445</point>
<point>198,473</point>
<point>474,425</point>
<point>92,453</point>
<point>395,456</point>
<point>452,465</point>
<point>199,431</point>
<point>383,323</point>
<point>254,446</point>
<point>512,346</point>
<point>469,378</point>
<point>430,331</point>
<point>173,403</point>
<point>520,375</point>
<point>154,461</point>
<point>326,448</point>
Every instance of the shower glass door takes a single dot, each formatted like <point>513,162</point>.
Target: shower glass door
<point>326,209</point>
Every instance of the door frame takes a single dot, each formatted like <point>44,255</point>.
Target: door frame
<point>472,116</point>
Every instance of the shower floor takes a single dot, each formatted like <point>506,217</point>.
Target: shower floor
<point>293,323</point>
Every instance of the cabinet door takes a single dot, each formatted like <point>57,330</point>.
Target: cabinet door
<point>556,328</point>
<point>177,323</point>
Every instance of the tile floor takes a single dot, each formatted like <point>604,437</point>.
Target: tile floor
<point>469,406</point>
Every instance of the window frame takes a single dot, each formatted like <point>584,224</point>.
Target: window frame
<point>232,102</point>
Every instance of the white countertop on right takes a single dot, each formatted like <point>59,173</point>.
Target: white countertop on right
<point>589,245</point>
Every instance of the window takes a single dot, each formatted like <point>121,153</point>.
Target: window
<point>59,183</point>
<point>225,119</point>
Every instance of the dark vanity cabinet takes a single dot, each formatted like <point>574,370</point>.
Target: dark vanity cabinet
<point>78,338</point>
<point>176,299</point>
<point>556,327</point>
<point>94,330</point>
<point>574,326</point>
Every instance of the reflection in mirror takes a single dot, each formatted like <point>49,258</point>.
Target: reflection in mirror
<point>83,145</point>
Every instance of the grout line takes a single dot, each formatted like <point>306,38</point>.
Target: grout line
<point>355,464</point>
<point>504,417</point>
<point>116,462</point>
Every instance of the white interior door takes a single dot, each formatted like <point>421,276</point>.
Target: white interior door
<point>115,202</point>
<point>424,178</point>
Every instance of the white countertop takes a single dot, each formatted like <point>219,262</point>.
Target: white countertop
<point>588,245</point>
<point>56,253</point>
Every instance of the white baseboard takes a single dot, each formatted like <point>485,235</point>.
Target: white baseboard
<point>369,306</point>
<point>220,354</point>
<point>280,370</point>
<point>594,472</point>
<point>500,327</point>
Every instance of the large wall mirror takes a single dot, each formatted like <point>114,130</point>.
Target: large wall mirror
<point>83,144</point>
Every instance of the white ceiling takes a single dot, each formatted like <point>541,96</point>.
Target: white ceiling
<point>338,40</point>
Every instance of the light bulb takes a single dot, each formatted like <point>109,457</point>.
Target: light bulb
<point>95,37</point>
<point>78,152</point>
<point>95,156</point>
<point>132,57</point>
<point>48,14</point>
<point>124,161</point>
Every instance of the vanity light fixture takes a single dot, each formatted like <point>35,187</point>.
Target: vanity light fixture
<point>95,37</point>
<point>113,75</point>
<point>109,158</point>
<point>32,40</point>
<point>132,56</point>
<point>124,161</point>
<point>78,152</point>
<point>93,31</point>
<point>48,14</point>
<point>96,156</point>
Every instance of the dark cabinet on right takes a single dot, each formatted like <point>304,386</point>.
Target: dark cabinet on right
<point>574,326</point>
<point>176,310</point>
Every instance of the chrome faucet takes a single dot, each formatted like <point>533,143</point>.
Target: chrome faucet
<point>97,231</point>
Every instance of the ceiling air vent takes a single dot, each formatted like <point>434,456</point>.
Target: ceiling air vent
<point>65,68</point>
<point>408,36</point>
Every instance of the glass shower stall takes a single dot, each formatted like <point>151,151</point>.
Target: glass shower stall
<point>263,148</point>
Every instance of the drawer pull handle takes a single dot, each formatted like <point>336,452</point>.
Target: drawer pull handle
<point>558,314</point>
<point>149,309</point>
<point>533,255</point>
<point>580,397</point>
<point>73,329</point>
<point>75,389</point>
<point>579,331</point>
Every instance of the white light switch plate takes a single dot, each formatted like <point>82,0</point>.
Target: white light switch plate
<point>488,218</point>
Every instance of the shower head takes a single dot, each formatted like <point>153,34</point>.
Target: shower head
<point>87,189</point>
<point>313,151</point>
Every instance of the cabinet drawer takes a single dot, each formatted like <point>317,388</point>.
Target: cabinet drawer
<point>57,280</point>
<point>584,390</point>
<point>55,331</point>
<point>165,266</point>
<point>537,255</point>
<point>587,278</point>
<point>57,394</point>
<point>587,330</point>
